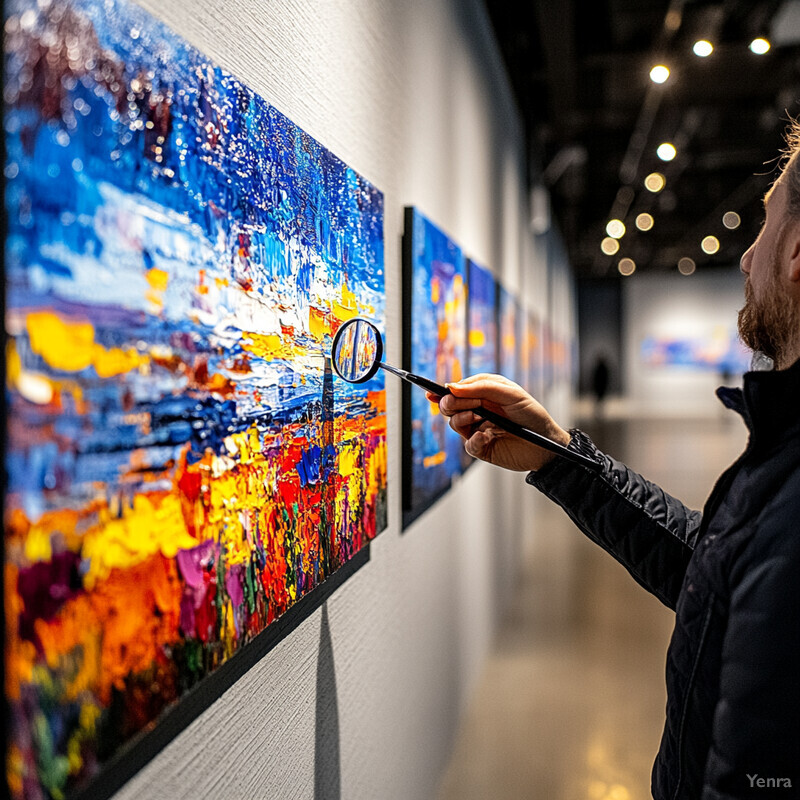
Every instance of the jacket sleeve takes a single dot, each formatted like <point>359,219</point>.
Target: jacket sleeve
<point>647,530</point>
<point>755,736</point>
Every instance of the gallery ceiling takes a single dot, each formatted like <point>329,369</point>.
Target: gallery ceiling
<point>594,120</point>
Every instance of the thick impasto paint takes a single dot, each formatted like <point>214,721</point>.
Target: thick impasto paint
<point>182,465</point>
<point>436,335</point>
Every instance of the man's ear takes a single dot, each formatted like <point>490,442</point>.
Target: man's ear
<point>793,250</point>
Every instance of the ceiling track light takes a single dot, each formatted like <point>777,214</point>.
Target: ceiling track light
<point>666,151</point>
<point>659,73</point>
<point>703,48</point>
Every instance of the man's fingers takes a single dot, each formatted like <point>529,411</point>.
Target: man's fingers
<point>463,423</point>
<point>493,388</point>
<point>478,444</point>
<point>450,404</point>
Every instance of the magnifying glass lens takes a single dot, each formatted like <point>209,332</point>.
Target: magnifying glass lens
<point>356,350</point>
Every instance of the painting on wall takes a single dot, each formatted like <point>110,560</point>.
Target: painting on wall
<point>482,320</point>
<point>719,350</point>
<point>535,355</point>
<point>435,346</point>
<point>183,468</point>
<point>508,321</point>
<point>481,327</point>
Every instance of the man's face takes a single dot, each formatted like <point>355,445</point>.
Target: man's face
<point>770,319</point>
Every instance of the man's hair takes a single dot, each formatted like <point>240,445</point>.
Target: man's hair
<point>791,169</point>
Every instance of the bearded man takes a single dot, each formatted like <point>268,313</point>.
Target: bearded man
<point>730,573</point>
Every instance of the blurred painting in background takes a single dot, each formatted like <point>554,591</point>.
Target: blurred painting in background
<point>435,346</point>
<point>182,465</point>
<point>482,320</point>
<point>719,350</point>
<point>509,319</point>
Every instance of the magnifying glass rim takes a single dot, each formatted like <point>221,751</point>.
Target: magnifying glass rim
<point>378,350</point>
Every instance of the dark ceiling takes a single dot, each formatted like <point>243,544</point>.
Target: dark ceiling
<point>594,119</point>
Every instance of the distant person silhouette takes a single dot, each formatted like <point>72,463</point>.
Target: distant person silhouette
<point>601,376</point>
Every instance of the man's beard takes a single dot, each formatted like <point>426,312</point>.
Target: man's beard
<point>770,325</point>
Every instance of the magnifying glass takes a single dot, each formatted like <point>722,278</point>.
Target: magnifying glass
<point>356,357</point>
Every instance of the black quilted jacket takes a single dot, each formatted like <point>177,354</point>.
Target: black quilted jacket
<point>732,575</point>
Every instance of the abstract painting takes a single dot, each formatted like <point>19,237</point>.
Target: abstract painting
<point>508,320</point>
<point>435,346</point>
<point>183,468</point>
<point>482,320</point>
<point>719,350</point>
<point>535,355</point>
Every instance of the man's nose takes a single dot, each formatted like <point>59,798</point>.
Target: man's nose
<point>747,259</point>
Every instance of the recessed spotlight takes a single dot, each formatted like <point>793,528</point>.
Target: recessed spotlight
<point>760,46</point>
<point>615,229</point>
<point>644,222</point>
<point>703,48</point>
<point>666,151</point>
<point>660,73</point>
<point>686,266</point>
<point>609,246</point>
<point>655,182</point>
<point>731,220</point>
<point>626,266</point>
<point>710,245</point>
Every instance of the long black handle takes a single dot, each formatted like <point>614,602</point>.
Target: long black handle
<point>501,422</point>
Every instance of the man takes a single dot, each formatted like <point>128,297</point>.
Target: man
<point>732,573</point>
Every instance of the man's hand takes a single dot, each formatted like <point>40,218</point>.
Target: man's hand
<point>485,440</point>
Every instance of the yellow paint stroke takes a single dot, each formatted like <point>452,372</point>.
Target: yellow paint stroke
<point>434,460</point>
<point>153,525</point>
<point>347,306</point>
<point>158,279</point>
<point>70,346</point>
<point>477,338</point>
<point>267,346</point>
<point>319,323</point>
<point>435,291</point>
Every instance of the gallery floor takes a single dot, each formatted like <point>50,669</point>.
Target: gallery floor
<point>571,701</point>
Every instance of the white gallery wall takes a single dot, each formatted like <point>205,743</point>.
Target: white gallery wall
<point>676,307</point>
<point>363,699</point>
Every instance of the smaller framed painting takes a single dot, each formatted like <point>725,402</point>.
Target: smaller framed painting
<point>434,346</point>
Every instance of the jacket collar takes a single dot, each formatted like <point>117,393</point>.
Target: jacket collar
<point>769,402</point>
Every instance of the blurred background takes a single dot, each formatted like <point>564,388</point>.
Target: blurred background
<point>653,129</point>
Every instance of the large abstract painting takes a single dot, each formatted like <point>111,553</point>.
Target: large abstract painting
<point>718,350</point>
<point>435,337</point>
<point>182,466</point>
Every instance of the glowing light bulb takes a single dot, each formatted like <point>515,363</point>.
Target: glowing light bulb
<point>710,245</point>
<point>731,220</point>
<point>644,222</point>
<point>760,46</point>
<point>703,48</point>
<point>666,151</point>
<point>686,266</point>
<point>609,246</point>
<point>626,266</point>
<point>615,229</point>
<point>660,73</point>
<point>655,182</point>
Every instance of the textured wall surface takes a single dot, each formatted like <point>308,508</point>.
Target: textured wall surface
<point>363,699</point>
